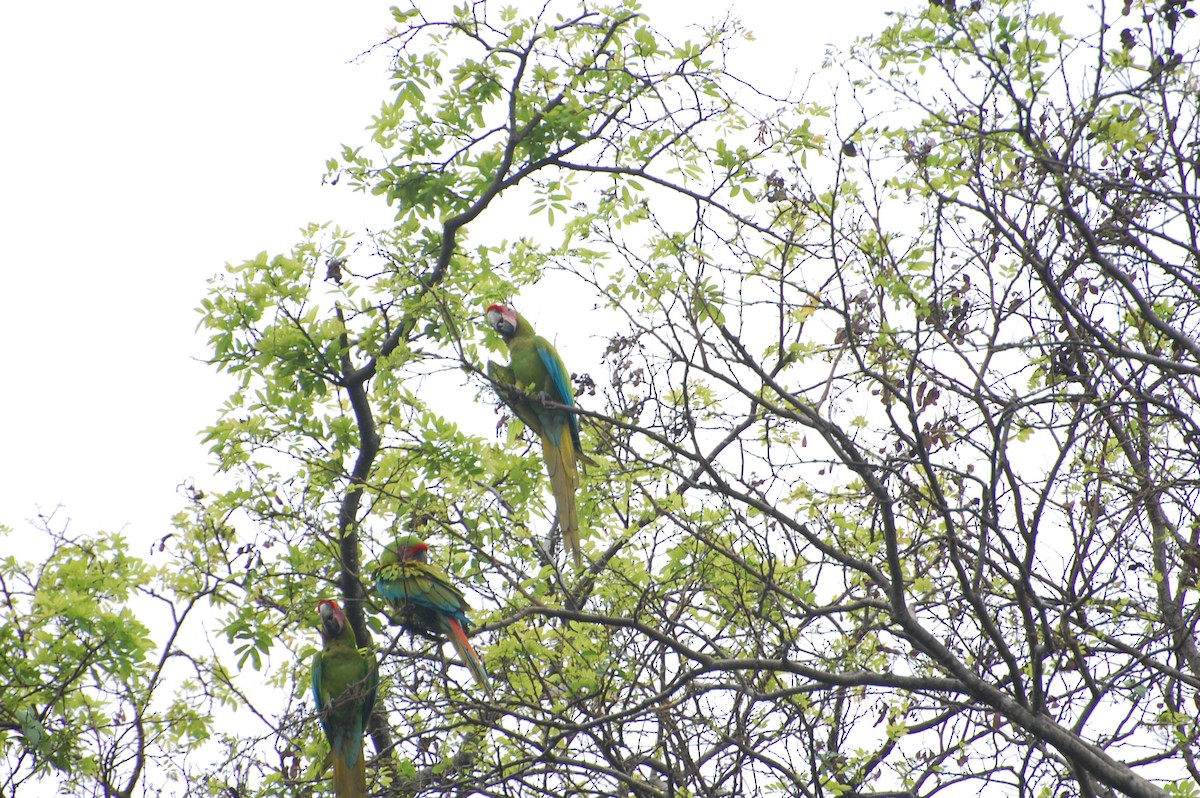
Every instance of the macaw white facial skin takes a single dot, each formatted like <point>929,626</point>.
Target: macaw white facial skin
<point>332,618</point>
<point>503,320</point>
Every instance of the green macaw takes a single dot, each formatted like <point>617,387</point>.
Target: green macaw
<point>536,373</point>
<point>344,683</point>
<point>424,599</point>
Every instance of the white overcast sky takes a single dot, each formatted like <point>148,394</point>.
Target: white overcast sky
<point>147,143</point>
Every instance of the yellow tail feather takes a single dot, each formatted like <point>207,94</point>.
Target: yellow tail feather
<point>564,481</point>
<point>350,782</point>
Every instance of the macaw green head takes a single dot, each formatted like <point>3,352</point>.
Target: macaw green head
<point>503,320</point>
<point>406,548</point>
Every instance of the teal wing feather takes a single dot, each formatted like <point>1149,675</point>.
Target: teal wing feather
<point>559,388</point>
<point>557,385</point>
<point>421,584</point>
<point>318,694</point>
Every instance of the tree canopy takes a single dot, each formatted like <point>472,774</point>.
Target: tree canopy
<point>893,405</point>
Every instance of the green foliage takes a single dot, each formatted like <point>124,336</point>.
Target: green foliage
<point>896,480</point>
<point>80,667</point>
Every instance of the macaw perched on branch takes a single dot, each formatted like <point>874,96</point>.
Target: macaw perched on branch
<point>535,373</point>
<point>344,683</point>
<point>424,599</point>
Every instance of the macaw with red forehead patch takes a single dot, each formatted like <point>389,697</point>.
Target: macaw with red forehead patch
<point>536,373</point>
<point>424,599</point>
<point>344,683</point>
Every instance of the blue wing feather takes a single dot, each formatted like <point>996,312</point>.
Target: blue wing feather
<point>559,379</point>
<point>393,583</point>
<point>318,699</point>
<point>391,589</point>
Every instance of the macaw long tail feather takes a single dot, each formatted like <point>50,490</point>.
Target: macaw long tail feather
<point>564,479</point>
<point>349,781</point>
<point>466,653</point>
